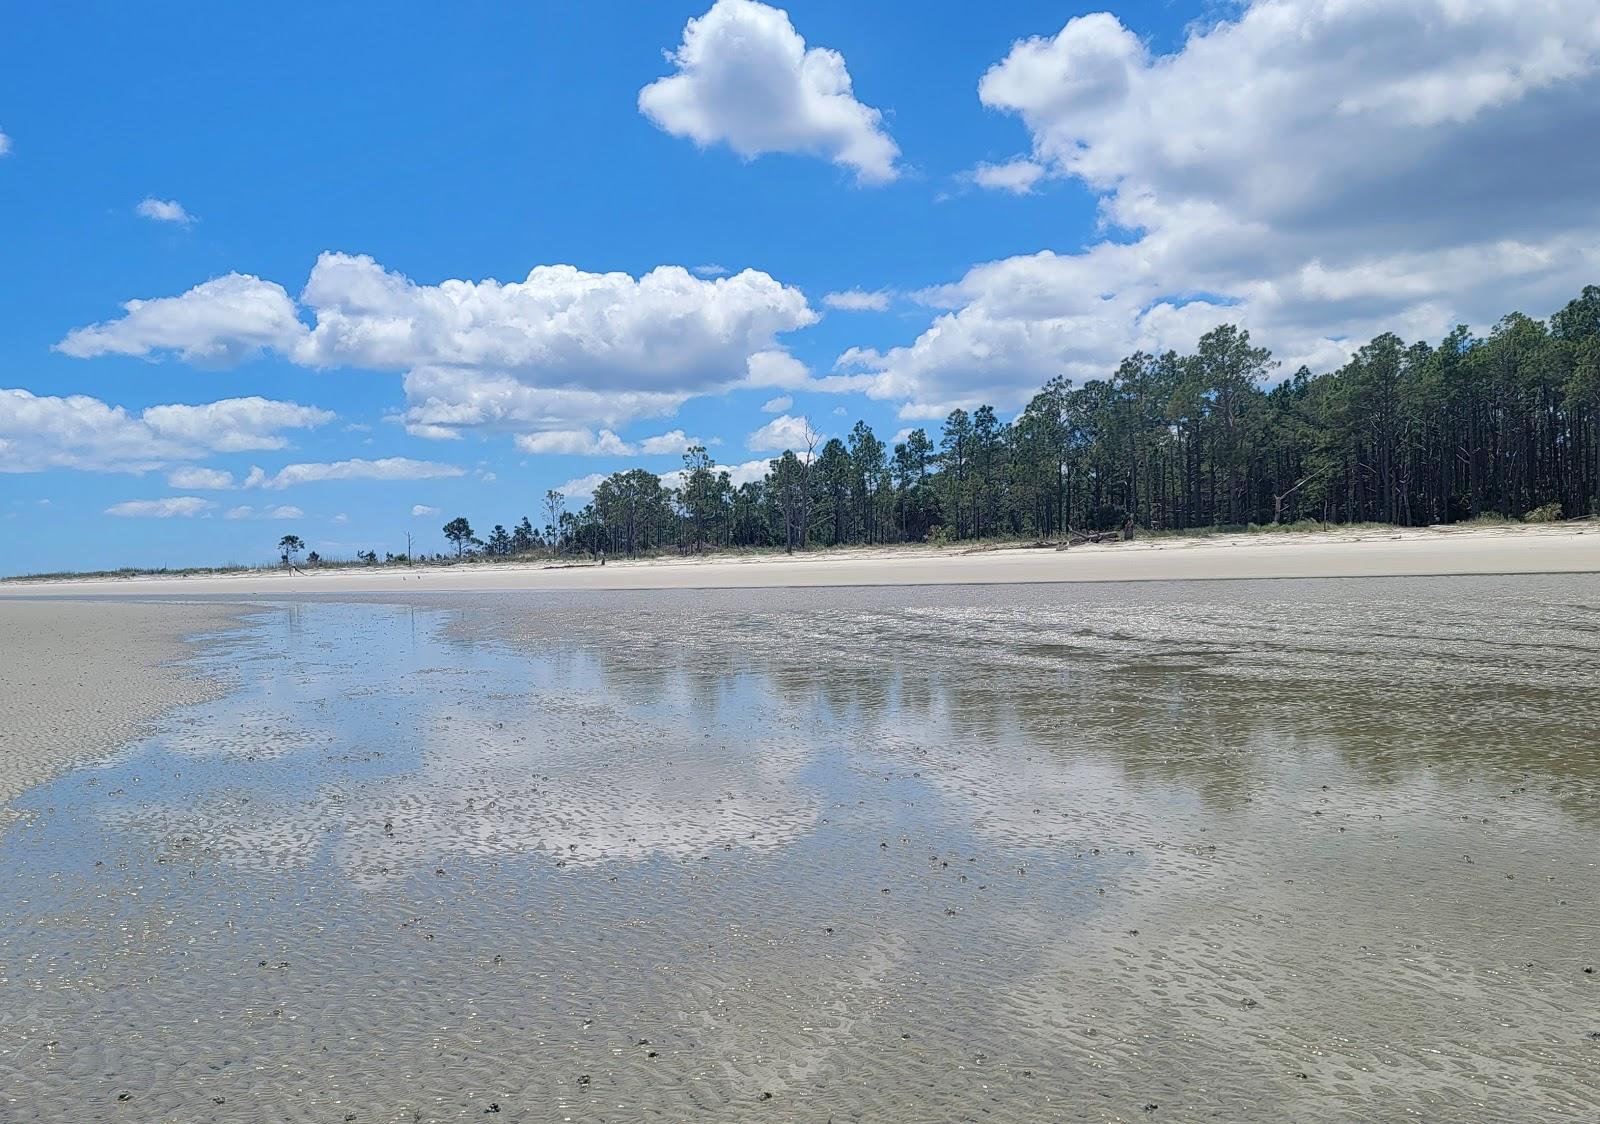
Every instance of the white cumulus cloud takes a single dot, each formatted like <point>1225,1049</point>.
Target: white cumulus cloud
<point>1268,174</point>
<point>39,432</point>
<point>777,405</point>
<point>580,489</point>
<point>420,510</point>
<point>163,210</point>
<point>172,507</point>
<point>209,478</point>
<point>219,322</point>
<point>561,350</point>
<point>747,473</point>
<point>1016,176</point>
<point>776,369</point>
<point>387,468</point>
<point>671,443</point>
<point>856,300</point>
<point>234,425</point>
<point>578,442</point>
<point>746,78</point>
<point>782,433</point>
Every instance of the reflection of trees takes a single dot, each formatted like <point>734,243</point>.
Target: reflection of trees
<point>1188,686</point>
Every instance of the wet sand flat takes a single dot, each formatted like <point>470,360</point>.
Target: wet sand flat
<point>1348,553</point>
<point>1291,850</point>
<point>81,679</point>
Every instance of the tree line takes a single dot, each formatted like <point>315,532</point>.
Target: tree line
<point>1504,425</point>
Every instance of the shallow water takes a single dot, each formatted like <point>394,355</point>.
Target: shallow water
<point>1309,850</point>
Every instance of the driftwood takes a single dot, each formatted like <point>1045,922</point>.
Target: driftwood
<point>1079,538</point>
<point>1123,533</point>
<point>989,548</point>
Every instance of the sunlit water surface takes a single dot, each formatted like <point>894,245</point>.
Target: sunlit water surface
<point>1239,851</point>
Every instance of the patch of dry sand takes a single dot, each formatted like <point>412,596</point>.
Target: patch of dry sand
<point>1425,551</point>
<point>80,678</point>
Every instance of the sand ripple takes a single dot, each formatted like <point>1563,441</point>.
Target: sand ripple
<point>1252,853</point>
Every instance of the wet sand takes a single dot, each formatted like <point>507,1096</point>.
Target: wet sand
<point>1511,549</point>
<point>78,680</point>
<point>1300,850</point>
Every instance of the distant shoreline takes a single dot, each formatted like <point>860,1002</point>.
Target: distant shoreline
<point>1365,551</point>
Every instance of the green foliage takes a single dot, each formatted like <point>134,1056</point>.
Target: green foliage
<point>1544,513</point>
<point>1402,434</point>
<point>523,540</point>
<point>459,532</point>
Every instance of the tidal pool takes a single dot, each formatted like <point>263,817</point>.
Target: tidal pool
<point>1304,850</point>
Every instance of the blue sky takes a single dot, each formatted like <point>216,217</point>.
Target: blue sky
<point>1024,190</point>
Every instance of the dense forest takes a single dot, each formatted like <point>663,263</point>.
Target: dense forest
<point>1412,434</point>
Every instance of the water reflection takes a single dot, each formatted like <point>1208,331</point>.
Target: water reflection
<point>1487,679</point>
<point>1256,851</point>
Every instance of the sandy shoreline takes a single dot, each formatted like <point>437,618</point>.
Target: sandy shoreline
<point>80,679</point>
<point>1515,549</point>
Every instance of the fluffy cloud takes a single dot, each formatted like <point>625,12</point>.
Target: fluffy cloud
<point>776,369</point>
<point>745,77</point>
<point>583,442</point>
<point>185,507</point>
<point>5,144</point>
<point>777,405</point>
<point>1016,176</point>
<point>282,511</point>
<point>574,441</point>
<point>1269,174</point>
<point>671,443</point>
<point>163,210</point>
<point>560,350</point>
<point>444,401</point>
<point>1278,94</point>
<point>388,468</point>
<point>855,300</point>
<point>41,432</point>
<point>580,489</point>
<point>421,510</point>
<point>234,425</point>
<point>748,472</point>
<point>209,478</point>
<point>217,323</point>
<point>562,326</point>
<point>781,433</point>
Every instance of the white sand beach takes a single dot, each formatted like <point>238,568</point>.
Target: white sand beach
<point>1512,549</point>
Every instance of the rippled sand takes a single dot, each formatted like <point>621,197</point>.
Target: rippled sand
<point>79,679</point>
<point>1287,851</point>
